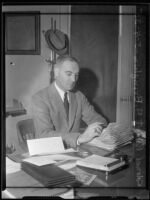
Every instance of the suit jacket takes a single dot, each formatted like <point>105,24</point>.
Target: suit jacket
<point>50,116</point>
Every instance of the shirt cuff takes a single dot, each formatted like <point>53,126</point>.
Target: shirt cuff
<point>78,142</point>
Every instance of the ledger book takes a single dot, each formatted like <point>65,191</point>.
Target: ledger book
<point>101,163</point>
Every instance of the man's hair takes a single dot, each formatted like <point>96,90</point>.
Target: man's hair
<point>61,59</point>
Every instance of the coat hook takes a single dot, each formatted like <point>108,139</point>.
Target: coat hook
<point>43,32</point>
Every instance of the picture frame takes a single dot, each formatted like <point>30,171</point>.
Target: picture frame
<point>22,33</point>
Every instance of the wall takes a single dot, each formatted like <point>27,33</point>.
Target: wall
<point>30,73</point>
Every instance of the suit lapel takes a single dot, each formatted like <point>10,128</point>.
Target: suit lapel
<point>72,109</point>
<point>57,102</point>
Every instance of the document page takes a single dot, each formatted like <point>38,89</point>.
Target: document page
<point>39,160</point>
<point>50,159</point>
<point>12,166</point>
<point>99,160</point>
<point>45,145</point>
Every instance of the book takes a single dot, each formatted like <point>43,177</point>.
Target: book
<point>101,163</point>
<point>49,175</point>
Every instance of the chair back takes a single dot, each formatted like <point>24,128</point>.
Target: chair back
<point>25,131</point>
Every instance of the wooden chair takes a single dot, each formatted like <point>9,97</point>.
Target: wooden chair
<point>25,131</point>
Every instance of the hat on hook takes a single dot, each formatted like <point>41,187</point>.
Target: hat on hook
<point>57,41</point>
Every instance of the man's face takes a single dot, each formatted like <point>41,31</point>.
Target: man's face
<point>66,75</point>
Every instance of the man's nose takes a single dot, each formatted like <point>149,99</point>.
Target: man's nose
<point>73,78</point>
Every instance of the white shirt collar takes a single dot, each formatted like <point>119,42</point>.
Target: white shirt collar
<point>61,92</point>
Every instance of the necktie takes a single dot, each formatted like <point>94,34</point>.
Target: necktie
<point>66,104</point>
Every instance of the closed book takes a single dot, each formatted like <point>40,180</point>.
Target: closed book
<point>101,163</point>
<point>49,175</point>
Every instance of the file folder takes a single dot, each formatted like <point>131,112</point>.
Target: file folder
<point>49,175</point>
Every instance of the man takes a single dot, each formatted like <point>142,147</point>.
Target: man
<point>49,107</point>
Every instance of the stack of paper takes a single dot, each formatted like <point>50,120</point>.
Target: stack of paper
<point>49,175</point>
<point>41,165</point>
<point>51,159</point>
<point>114,136</point>
<point>101,163</point>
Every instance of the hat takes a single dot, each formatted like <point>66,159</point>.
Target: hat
<point>57,41</point>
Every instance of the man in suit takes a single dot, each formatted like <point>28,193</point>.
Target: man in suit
<point>56,116</point>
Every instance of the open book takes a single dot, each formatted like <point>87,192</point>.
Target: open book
<point>101,163</point>
<point>113,136</point>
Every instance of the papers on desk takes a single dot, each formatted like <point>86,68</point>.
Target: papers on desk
<point>12,166</point>
<point>39,160</point>
<point>46,151</point>
<point>113,136</point>
<point>45,145</point>
<point>49,159</point>
<point>42,167</point>
<point>49,175</point>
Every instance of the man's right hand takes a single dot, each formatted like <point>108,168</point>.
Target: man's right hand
<point>92,131</point>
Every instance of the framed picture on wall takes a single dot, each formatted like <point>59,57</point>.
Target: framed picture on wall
<point>22,33</point>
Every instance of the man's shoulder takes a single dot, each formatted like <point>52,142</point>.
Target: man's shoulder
<point>42,93</point>
<point>79,94</point>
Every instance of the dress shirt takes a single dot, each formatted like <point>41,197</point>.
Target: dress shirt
<point>61,92</point>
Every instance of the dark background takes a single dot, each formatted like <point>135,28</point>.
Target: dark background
<point>94,42</point>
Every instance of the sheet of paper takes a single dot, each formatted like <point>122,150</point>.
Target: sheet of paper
<point>59,157</point>
<point>67,164</point>
<point>98,160</point>
<point>45,145</point>
<point>39,160</point>
<point>12,166</point>
<point>50,159</point>
<point>58,152</point>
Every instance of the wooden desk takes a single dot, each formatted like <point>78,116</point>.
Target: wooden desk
<point>123,178</point>
<point>19,185</point>
<point>130,182</point>
<point>126,181</point>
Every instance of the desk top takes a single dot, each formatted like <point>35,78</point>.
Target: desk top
<point>131,177</point>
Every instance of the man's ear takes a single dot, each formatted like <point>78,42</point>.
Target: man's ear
<point>56,71</point>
